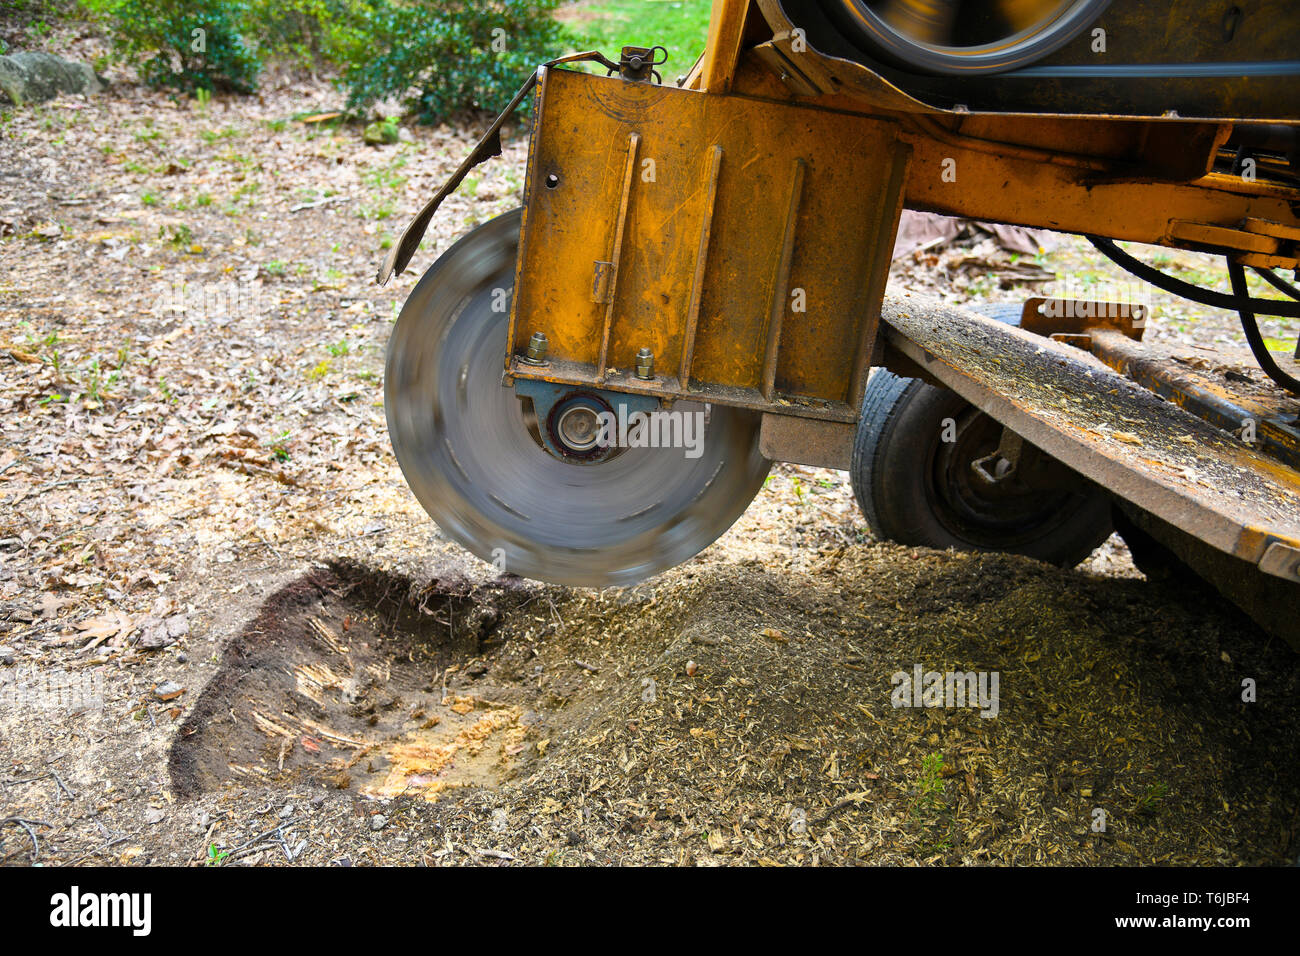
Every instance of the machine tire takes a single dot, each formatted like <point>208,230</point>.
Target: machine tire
<point>907,498</point>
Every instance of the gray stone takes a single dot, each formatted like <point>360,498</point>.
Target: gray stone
<point>168,690</point>
<point>378,134</point>
<point>34,77</point>
<point>153,635</point>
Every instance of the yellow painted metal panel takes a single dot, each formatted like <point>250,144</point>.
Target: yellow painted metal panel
<point>799,205</point>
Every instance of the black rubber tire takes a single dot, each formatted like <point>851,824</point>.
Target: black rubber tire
<point>893,475</point>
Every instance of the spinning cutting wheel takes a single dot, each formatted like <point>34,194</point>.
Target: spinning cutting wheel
<point>470,449</point>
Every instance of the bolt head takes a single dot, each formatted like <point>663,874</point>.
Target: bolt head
<point>645,364</point>
<point>537,347</point>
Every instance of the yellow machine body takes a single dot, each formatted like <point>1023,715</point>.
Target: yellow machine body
<point>744,243</point>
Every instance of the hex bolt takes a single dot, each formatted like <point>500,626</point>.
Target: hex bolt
<point>536,349</point>
<point>645,364</point>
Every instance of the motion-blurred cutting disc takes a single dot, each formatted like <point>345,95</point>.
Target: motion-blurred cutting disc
<point>466,448</point>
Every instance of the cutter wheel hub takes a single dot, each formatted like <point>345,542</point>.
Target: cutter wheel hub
<point>495,466</point>
<point>577,425</point>
<point>580,426</point>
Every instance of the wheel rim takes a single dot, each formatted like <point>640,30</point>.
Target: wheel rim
<point>965,36</point>
<point>999,519</point>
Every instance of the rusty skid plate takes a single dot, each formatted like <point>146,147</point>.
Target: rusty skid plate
<point>745,243</point>
<point>1128,440</point>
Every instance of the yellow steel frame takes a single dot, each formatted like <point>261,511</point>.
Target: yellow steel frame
<point>745,243</point>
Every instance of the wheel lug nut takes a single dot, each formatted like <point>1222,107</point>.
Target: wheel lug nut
<point>645,364</point>
<point>536,354</point>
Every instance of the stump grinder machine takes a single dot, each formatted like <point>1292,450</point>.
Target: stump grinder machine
<point>592,388</point>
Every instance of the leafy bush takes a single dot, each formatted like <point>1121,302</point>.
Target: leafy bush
<point>454,54</point>
<point>313,32</point>
<point>443,56</point>
<point>188,44</point>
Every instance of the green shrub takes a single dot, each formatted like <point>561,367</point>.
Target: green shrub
<point>448,56</point>
<point>187,44</point>
<point>442,56</point>
<point>313,32</point>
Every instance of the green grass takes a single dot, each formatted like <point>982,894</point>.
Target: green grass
<point>213,135</point>
<point>679,26</point>
<point>929,788</point>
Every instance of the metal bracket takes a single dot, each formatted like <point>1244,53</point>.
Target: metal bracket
<point>638,63</point>
<point>1070,320</point>
<point>729,236</point>
<point>549,398</point>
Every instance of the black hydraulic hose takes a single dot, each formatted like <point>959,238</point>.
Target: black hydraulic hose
<point>1196,293</point>
<point>1277,282</point>
<point>1248,325</point>
<point>1239,301</point>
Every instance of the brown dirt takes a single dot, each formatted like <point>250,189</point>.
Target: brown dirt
<point>337,681</point>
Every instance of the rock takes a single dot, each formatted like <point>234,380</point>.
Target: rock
<point>154,815</point>
<point>6,655</point>
<point>157,633</point>
<point>349,691</point>
<point>378,821</point>
<point>168,690</point>
<point>377,134</point>
<point>34,77</point>
<point>153,635</point>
